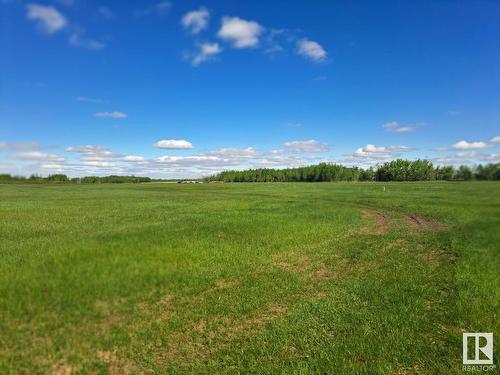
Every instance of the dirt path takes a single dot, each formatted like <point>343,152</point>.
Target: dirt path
<point>383,222</point>
<point>420,222</point>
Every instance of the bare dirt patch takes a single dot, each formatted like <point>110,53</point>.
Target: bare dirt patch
<point>381,222</point>
<point>312,268</point>
<point>207,337</point>
<point>432,257</point>
<point>294,265</point>
<point>226,283</point>
<point>115,364</point>
<point>62,368</point>
<point>323,273</point>
<point>437,256</point>
<point>420,222</point>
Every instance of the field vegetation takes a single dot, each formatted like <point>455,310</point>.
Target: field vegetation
<point>346,278</point>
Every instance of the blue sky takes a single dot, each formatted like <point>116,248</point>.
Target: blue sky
<point>188,88</point>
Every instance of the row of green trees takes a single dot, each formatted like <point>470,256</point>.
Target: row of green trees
<point>396,170</point>
<point>62,178</point>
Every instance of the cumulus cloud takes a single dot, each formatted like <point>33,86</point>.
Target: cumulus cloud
<point>370,150</point>
<point>274,161</point>
<point>54,167</point>
<point>161,8</point>
<point>48,18</point>
<point>67,2</point>
<point>133,158</point>
<point>467,157</point>
<point>38,156</point>
<point>196,20</point>
<point>21,146</point>
<point>239,153</point>
<point>105,12</point>
<point>464,145</point>
<point>305,146</point>
<point>393,126</point>
<point>194,161</point>
<point>92,151</point>
<point>98,163</point>
<point>371,154</point>
<point>89,100</point>
<point>311,50</point>
<point>174,144</point>
<point>239,32</point>
<point>206,51</point>
<point>115,115</point>
<point>495,139</point>
<point>492,158</point>
<point>78,39</point>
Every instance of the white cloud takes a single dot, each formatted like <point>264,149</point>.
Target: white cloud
<point>160,8</point>
<point>239,32</point>
<point>196,20</point>
<point>320,78</point>
<point>67,2</point>
<point>237,153</point>
<point>48,18</point>
<point>492,158</point>
<point>274,40</point>
<point>94,157</point>
<point>371,154</point>
<point>193,161</point>
<point>174,144</point>
<point>89,100</point>
<point>464,145</point>
<point>474,155</point>
<point>467,157</point>
<point>59,168</point>
<point>393,126</point>
<point>101,164</point>
<point>495,139</point>
<point>279,162</point>
<point>39,156</point>
<point>105,12</point>
<point>305,146</point>
<point>22,146</point>
<point>115,115</point>
<point>92,151</point>
<point>311,49</point>
<point>78,39</point>
<point>133,158</point>
<point>371,150</point>
<point>206,52</point>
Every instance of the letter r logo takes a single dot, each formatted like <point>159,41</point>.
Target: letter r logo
<point>482,348</point>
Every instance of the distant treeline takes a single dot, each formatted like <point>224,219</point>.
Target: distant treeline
<point>62,178</point>
<point>396,170</point>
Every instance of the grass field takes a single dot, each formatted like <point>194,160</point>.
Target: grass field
<point>259,278</point>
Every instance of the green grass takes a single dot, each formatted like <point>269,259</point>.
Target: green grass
<point>258,278</point>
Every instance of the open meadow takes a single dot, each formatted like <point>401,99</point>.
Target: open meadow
<point>257,278</point>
